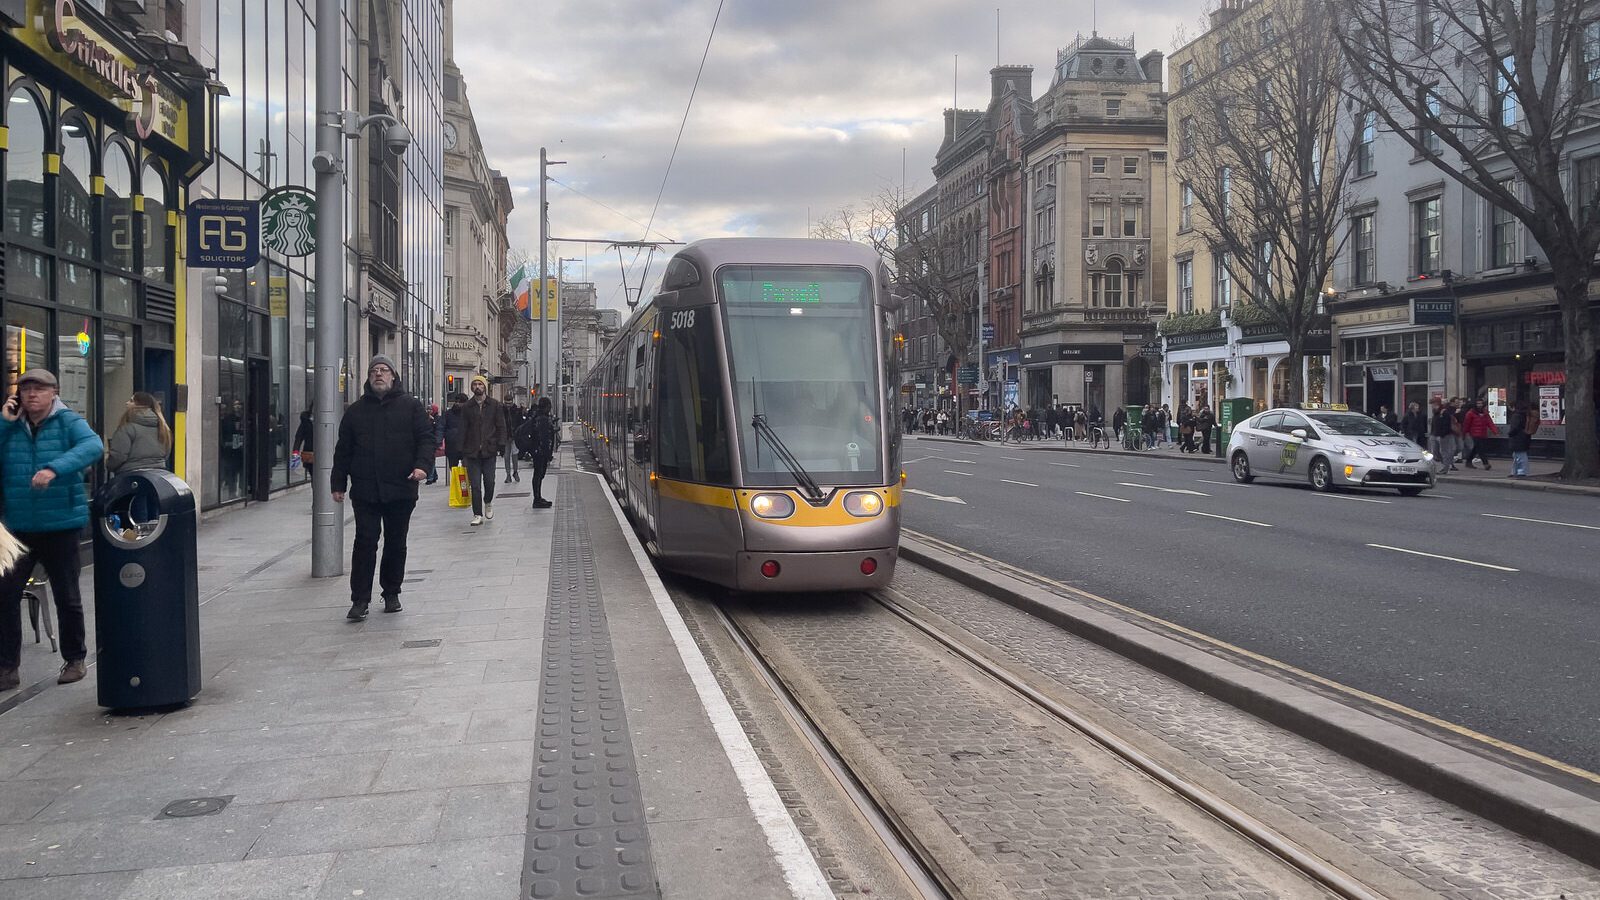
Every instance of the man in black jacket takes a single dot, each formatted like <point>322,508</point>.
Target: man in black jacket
<point>539,436</point>
<point>385,447</point>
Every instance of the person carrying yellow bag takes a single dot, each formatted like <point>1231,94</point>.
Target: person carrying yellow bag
<point>460,488</point>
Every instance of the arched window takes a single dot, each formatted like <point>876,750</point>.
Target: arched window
<point>75,225</point>
<point>25,166</point>
<point>1113,283</point>
<point>117,209</point>
<point>157,244</point>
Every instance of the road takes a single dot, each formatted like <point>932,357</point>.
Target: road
<point>1478,605</point>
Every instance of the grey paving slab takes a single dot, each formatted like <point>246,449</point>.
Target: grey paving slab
<point>98,886</point>
<point>118,846</point>
<point>304,778</point>
<point>285,878</point>
<point>134,796</point>
<point>510,724</point>
<point>22,800</point>
<point>351,823</point>
<point>483,869</point>
<point>496,763</point>
<point>484,811</point>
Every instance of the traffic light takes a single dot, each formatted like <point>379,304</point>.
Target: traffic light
<point>219,284</point>
<point>449,386</point>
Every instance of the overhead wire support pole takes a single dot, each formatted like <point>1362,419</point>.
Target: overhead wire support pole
<point>543,373</point>
<point>327,517</point>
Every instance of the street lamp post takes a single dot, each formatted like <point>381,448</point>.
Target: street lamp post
<point>334,126</point>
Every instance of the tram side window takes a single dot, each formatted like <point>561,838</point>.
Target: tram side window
<point>692,433</point>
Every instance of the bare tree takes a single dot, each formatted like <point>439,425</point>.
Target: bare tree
<point>1492,92</point>
<point>1268,161</point>
<point>924,266</point>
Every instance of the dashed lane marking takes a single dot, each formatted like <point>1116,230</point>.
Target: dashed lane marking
<point>954,472</point>
<point>1102,497</point>
<point>1023,483</point>
<point>1193,512</point>
<point>1465,562</point>
<point>1386,703</point>
<point>1357,499</point>
<point>921,493</point>
<point>1544,522</point>
<point>1067,465</point>
<point>1014,458</point>
<point>1151,487</point>
<point>1223,483</point>
<point>1127,472</point>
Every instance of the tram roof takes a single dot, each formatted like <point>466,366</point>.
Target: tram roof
<point>713,252</point>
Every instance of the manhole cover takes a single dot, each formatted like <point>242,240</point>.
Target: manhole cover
<point>197,806</point>
<point>414,644</point>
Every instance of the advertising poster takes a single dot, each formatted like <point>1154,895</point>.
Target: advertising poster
<point>1550,404</point>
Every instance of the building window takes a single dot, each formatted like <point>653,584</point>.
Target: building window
<point>157,234</point>
<point>1264,269</point>
<point>1097,165</point>
<point>1427,24</point>
<point>1589,60</point>
<point>1505,98</point>
<point>1130,220</point>
<point>1266,30</point>
<point>75,224</point>
<point>1186,74</point>
<point>1224,284</point>
<point>450,227</point>
<point>1130,165</point>
<point>1425,224</point>
<point>1366,143</point>
<point>1186,136</point>
<point>1585,183</point>
<point>1185,206</point>
<point>1225,52</point>
<point>1185,285</point>
<point>116,207</point>
<point>1097,219</point>
<point>1113,282</point>
<point>1428,126</point>
<point>1363,266</point>
<point>449,298</point>
<point>1113,108</point>
<point>1502,236</point>
<point>1227,190</point>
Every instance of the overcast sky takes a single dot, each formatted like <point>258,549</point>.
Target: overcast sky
<point>805,106</point>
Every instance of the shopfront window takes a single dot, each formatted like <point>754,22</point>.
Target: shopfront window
<point>74,204</point>
<point>25,166</point>
<point>116,353</point>
<point>232,341</point>
<point>27,330</point>
<point>74,347</point>
<point>157,243</point>
<point>117,206</point>
<point>1180,383</point>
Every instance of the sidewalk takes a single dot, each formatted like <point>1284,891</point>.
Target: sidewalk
<point>405,756</point>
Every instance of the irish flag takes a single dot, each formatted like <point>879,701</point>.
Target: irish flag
<point>522,292</point>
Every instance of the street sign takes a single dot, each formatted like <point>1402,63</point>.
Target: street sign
<point>967,374</point>
<point>988,332</point>
<point>1433,310</point>
<point>1151,349</point>
<point>224,234</point>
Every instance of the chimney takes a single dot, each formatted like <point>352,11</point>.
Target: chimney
<point>1227,12</point>
<point>1150,65</point>
<point>1011,78</point>
<point>949,125</point>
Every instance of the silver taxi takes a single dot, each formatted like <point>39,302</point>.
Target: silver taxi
<point>1328,449</point>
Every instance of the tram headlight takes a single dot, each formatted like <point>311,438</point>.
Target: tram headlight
<point>863,504</point>
<point>772,506</point>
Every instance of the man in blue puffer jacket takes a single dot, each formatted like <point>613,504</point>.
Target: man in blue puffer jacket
<point>44,449</point>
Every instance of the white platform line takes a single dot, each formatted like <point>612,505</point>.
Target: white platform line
<point>1544,522</point>
<point>1023,483</point>
<point>800,869</point>
<point>1227,518</point>
<point>1466,562</point>
<point>1102,497</point>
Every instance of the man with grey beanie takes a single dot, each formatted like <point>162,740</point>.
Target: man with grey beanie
<point>385,448</point>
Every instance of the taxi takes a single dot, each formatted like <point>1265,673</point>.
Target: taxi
<point>1328,448</point>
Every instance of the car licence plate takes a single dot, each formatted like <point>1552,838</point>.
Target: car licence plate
<point>1402,470</point>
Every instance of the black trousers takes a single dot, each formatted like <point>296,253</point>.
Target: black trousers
<point>480,474</point>
<point>539,466</point>
<point>390,520</point>
<point>57,551</point>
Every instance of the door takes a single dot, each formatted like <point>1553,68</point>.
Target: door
<point>158,381</point>
<point>258,434</point>
<point>1264,443</point>
<point>1295,456</point>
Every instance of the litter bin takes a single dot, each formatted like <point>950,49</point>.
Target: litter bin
<point>146,591</point>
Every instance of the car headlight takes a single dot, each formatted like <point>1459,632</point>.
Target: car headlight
<point>1353,453</point>
<point>772,506</point>
<point>863,504</point>
<point>1427,456</point>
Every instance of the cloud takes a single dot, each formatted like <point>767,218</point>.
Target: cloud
<point>803,108</point>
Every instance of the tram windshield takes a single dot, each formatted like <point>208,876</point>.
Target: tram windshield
<point>804,356</point>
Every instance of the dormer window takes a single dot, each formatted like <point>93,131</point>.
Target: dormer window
<point>1113,108</point>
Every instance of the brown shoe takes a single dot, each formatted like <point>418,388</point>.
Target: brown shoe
<point>9,679</point>
<point>72,672</point>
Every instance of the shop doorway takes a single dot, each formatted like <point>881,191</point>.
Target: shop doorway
<point>1380,393</point>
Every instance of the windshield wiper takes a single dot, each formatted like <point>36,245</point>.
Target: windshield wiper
<point>759,423</point>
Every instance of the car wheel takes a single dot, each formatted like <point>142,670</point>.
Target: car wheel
<point>1241,468</point>
<point>1410,491</point>
<point>1321,475</point>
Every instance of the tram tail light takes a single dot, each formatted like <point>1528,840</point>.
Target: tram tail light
<point>868,566</point>
<point>770,568</point>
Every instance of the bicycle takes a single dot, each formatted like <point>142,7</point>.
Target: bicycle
<point>1097,433</point>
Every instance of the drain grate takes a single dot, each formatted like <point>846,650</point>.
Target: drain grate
<point>586,834</point>
<point>194,806</point>
<point>413,645</point>
<point>513,495</point>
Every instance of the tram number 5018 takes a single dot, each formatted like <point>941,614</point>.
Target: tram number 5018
<point>683,319</point>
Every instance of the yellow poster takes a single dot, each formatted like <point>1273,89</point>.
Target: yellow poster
<point>278,296</point>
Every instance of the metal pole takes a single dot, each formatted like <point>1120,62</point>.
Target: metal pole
<point>327,517</point>
<point>544,239</point>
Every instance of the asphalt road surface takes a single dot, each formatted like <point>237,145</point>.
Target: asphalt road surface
<point>1478,605</point>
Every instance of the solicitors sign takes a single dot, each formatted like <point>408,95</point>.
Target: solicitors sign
<point>224,234</point>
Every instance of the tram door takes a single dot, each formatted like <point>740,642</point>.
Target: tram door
<point>637,450</point>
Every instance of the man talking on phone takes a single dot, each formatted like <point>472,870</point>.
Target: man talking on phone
<point>44,449</point>
<point>385,447</point>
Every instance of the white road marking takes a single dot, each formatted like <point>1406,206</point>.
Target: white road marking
<point>1343,497</point>
<point>1126,472</point>
<point>1223,483</point>
<point>954,472</point>
<point>1067,465</point>
<point>1227,518</point>
<point>1014,458</point>
<point>1023,483</point>
<point>1102,497</point>
<point>800,869</point>
<point>936,496</point>
<point>962,462</point>
<point>1544,522</point>
<point>1468,562</point>
<point>1151,487</point>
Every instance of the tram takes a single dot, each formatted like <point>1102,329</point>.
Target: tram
<point>744,416</point>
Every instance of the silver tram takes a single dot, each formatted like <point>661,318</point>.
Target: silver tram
<point>744,416</point>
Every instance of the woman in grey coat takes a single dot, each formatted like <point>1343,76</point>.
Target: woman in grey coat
<point>142,439</point>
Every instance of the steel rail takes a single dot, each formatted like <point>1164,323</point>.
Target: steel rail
<point>921,869</point>
<point>1307,863</point>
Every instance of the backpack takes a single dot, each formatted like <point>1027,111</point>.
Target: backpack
<point>536,437</point>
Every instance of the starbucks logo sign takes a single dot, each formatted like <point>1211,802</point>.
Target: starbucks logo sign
<point>289,221</point>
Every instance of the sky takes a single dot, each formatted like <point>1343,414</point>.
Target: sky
<point>804,106</point>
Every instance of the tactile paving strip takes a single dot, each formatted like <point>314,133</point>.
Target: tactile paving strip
<point>586,828</point>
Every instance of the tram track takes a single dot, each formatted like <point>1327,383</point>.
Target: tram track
<point>901,834</point>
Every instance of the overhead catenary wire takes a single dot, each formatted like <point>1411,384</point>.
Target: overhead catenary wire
<point>601,204</point>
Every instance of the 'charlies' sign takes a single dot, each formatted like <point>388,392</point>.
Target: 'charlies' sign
<point>100,63</point>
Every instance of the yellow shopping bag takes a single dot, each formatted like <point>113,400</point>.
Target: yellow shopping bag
<point>460,488</point>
